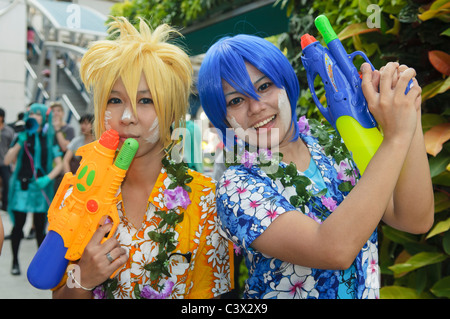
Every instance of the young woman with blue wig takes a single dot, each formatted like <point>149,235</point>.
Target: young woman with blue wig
<point>308,228</point>
<point>37,162</point>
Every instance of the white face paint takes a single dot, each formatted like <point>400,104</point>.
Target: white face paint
<point>126,115</point>
<point>154,132</point>
<point>284,107</point>
<point>108,116</point>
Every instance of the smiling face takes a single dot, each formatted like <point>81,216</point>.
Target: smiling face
<point>141,125</point>
<point>264,122</point>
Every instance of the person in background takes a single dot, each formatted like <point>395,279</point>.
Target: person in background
<point>307,224</point>
<point>6,138</point>
<point>30,43</point>
<point>70,160</point>
<point>64,133</point>
<point>18,125</point>
<point>37,162</point>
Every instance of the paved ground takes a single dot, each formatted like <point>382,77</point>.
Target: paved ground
<point>18,287</point>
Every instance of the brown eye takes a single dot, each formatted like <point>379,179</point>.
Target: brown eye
<point>146,101</point>
<point>114,100</point>
<point>235,101</point>
<point>263,87</point>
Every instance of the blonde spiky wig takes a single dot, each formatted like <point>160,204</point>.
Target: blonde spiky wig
<point>167,70</point>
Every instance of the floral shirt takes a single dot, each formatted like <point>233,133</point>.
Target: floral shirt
<point>201,266</point>
<point>248,201</point>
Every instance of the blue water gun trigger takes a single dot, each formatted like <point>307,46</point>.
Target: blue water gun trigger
<point>324,110</point>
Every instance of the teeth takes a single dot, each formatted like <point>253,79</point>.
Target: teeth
<point>263,122</point>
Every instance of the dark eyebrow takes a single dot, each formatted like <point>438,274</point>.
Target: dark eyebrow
<point>260,79</point>
<point>254,83</point>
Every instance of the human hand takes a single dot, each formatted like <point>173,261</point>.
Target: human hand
<point>22,138</point>
<point>395,111</point>
<point>95,267</point>
<point>43,181</point>
<point>402,68</point>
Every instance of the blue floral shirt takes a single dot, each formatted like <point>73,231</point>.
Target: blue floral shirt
<point>248,201</point>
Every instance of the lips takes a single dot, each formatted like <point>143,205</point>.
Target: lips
<point>122,138</point>
<point>265,122</point>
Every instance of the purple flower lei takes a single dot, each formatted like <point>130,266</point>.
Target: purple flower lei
<point>176,197</point>
<point>149,293</point>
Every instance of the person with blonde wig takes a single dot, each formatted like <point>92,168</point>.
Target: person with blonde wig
<point>167,244</point>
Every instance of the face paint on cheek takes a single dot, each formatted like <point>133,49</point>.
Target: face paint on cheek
<point>108,116</point>
<point>284,107</point>
<point>154,132</point>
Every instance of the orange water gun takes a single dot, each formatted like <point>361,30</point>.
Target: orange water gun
<point>82,202</point>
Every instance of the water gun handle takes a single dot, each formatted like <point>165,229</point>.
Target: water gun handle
<point>49,260</point>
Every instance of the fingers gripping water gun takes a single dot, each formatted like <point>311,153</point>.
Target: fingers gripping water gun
<point>74,216</point>
<point>347,109</point>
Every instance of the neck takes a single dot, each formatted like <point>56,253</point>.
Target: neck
<point>296,152</point>
<point>144,171</point>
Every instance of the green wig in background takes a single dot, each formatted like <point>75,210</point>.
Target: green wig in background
<point>33,199</point>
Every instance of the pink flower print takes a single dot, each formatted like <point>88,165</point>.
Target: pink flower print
<point>176,197</point>
<point>272,214</point>
<point>303,125</point>
<point>241,190</point>
<point>329,203</point>
<point>297,287</point>
<point>345,173</point>
<point>254,204</point>
<point>373,267</point>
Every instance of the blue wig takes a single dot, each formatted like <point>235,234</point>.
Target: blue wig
<point>226,60</point>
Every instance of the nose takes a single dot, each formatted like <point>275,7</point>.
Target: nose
<point>128,116</point>
<point>256,106</point>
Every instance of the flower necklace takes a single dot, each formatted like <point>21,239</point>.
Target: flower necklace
<point>288,175</point>
<point>176,195</point>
